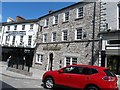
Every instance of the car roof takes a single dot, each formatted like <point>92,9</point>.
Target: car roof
<point>90,66</point>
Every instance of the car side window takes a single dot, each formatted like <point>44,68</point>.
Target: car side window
<point>71,69</point>
<point>89,71</point>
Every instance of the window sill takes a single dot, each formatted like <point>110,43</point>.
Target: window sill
<point>79,18</point>
<point>45,26</point>
<point>54,24</point>
<point>38,63</point>
<point>65,22</point>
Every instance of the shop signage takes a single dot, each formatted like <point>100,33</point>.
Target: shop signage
<point>16,32</point>
<point>54,48</point>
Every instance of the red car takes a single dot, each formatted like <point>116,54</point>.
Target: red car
<point>83,77</point>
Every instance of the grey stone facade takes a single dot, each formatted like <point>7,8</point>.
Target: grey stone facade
<point>80,49</point>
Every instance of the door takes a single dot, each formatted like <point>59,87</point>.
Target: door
<point>72,77</point>
<point>50,61</point>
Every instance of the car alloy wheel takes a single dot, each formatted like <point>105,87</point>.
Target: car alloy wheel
<point>49,83</point>
<point>92,88</point>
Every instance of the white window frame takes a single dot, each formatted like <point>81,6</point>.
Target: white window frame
<point>30,40</point>
<point>44,36</point>
<point>80,12</point>
<point>71,60</point>
<point>54,19</point>
<point>21,40</point>
<point>76,33</point>
<point>15,27</point>
<point>63,34</point>
<point>31,26</point>
<point>8,28</point>
<point>53,36</point>
<point>64,20</point>
<point>39,59</point>
<point>46,22</point>
<point>23,27</point>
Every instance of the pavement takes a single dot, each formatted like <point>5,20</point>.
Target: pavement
<point>36,73</point>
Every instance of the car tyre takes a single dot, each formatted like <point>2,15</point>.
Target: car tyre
<point>49,83</point>
<point>92,88</point>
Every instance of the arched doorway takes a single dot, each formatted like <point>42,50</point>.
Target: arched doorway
<point>50,61</point>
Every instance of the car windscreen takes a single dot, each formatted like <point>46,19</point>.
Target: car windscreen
<point>109,73</point>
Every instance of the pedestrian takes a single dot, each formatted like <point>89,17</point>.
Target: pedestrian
<point>9,61</point>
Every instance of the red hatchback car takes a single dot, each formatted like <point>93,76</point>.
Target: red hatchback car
<point>81,77</point>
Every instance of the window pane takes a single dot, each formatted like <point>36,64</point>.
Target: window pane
<point>66,16</point>
<point>54,36</point>
<point>64,35</point>
<point>29,40</point>
<point>74,60</point>
<point>79,33</point>
<point>67,61</point>
<point>80,12</point>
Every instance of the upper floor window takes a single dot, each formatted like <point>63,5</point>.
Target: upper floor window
<point>66,16</point>
<point>29,40</point>
<point>7,39</point>
<point>15,27</point>
<point>21,40</point>
<point>53,36</point>
<point>13,41</point>
<point>8,27</point>
<point>64,35</point>
<point>31,26</point>
<point>55,19</point>
<point>78,34</point>
<point>80,12</point>
<point>45,38</point>
<point>23,27</point>
<point>46,22</point>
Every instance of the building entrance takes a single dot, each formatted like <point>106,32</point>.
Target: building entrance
<point>50,61</point>
<point>113,62</point>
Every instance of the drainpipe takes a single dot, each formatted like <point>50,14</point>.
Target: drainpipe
<point>93,34</point>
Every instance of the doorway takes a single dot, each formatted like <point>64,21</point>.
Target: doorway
<point>50,61</point>
<point>113,62</point>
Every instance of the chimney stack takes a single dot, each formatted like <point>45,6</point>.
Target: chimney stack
<point>51,11</point>
<point>19,18</point>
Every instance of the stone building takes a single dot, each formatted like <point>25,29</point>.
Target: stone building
<point>66,37</point>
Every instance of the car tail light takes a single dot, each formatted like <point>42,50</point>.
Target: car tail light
<point>108,78</point>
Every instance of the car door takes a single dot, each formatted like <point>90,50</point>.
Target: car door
<point>64,78</point>
<point>78,78</point>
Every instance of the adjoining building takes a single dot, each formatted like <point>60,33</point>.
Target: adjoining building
<point>66,37</point>
<point>110,37</point>
<point>18,40</point>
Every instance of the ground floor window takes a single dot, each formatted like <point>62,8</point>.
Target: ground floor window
<point>70,60</point>
<point>39,58</point>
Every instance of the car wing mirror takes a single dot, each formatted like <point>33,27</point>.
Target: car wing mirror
<point>60,71</point>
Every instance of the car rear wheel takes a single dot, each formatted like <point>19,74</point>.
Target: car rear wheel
<point>92,88</point>
<point>49,83</point>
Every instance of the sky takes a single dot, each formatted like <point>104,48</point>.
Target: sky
<point>30,10</point>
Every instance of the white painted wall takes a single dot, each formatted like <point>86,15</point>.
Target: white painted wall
<point>27,30</point>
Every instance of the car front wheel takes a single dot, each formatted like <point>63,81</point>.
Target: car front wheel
<point>49,83</point>
<point>92,88</point>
